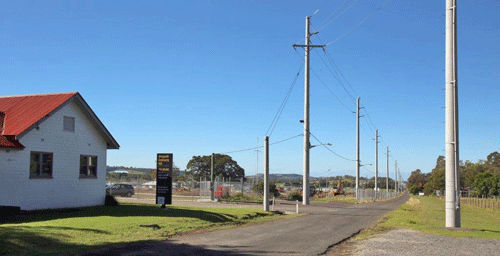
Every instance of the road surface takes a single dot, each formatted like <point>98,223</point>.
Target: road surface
<point>325,225</point>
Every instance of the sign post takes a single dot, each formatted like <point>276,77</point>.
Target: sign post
<point>164,164</point>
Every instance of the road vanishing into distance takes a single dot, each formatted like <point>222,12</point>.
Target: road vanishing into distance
<point>325,225</point>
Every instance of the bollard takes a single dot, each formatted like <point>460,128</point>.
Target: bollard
<point>297,206</point>
<point>272,207</point>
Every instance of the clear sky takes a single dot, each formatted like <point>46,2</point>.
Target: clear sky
<point>196,77</point>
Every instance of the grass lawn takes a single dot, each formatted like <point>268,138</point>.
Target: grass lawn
<point>339,198</point>
<point>427,214</point>
<point>93,228</point>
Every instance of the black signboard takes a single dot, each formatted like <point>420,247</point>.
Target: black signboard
<point>164,164</point>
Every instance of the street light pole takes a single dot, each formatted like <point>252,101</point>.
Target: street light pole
<point>326,180</point>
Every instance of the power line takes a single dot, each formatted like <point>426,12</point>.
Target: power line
<point>336,77</point>
<point>357,25</point>
<point>326,86</point>
<point>337,15</point>
<point>299,135</point>
<point>276,118</point>
<point>369,118</point>
<point>248,149</point>
<point>345,158</point>
<point>329,57</point>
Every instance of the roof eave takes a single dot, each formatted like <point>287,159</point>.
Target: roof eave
<point>110,140</point>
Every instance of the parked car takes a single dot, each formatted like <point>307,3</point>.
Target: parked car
<point>120,190</point>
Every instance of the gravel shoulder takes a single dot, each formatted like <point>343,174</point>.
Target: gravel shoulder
<point>410,242</point>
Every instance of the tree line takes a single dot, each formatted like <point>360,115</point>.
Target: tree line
<point>482,177</point>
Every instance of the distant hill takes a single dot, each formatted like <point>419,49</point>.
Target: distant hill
<point>277,176</point>
<point>129,169</point>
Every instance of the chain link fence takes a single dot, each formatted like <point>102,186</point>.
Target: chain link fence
<point>369,194</point>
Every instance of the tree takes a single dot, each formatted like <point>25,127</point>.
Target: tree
<point>493,162</point>
<point>259,188</point>
<point>493,159</point>
<point>224,166</point>
<point>482,183</point>
<point>436,181</point>
<point>469,171</point>
<point>415,189</point>
<point>417,178</point>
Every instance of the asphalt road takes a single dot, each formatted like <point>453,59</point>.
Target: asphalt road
<point>325,225</point>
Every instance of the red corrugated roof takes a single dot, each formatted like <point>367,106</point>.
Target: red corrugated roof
<point>22,112</point>
<point>9,142</point>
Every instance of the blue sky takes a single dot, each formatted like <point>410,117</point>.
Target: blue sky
<point>196,77</point>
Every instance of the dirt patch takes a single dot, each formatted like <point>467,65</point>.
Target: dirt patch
<point>413,201</point>
<point>345,248</point>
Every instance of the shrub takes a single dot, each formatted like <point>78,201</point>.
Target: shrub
<point>415,189</point>
<point>295,196</point>
<point>259,188</point>
<point>242,197</point>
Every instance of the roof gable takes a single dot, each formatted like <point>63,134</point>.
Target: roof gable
<point>23,113</point>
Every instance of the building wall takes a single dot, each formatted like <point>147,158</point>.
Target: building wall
<point>66,188</point>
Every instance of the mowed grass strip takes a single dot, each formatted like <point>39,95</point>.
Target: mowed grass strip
<point>92,228</point>
<point>339,198</point>
<point>427,214</point>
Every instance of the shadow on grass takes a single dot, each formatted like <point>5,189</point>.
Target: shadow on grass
<point>33,240</point>
<point>123,210</point>
<point>28,241</point>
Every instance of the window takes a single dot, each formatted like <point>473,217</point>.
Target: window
<point>41,165</point>
<point>88,166</point>
<point>69,124</point>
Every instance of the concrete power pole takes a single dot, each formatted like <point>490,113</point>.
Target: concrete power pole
<point>256,180</point>
<point>212,190</point>
<point>307,144</point>
<point>357,150</point>
<point>387,175</point>
<point>376,163</point>
<point>452,202</point>
<point>400,179</point>
<point>266,174</point>
<point>396,176</point>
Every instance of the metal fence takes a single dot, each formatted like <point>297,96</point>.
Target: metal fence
<point>369,194</point>
<point>224,189</point>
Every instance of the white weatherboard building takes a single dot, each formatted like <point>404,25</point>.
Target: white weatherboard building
<point>52,152</point>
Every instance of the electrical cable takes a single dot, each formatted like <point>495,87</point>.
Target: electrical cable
<point>336,77</point>
<point>276,118</point>
<point>323,26</point>
<point>248,149</point>
<point>331,91</point>
<point>357,25</point>
<point>329,57</point>
<point>345,158</point>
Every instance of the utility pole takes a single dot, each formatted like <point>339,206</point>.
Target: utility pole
<point>266,174</point>
<point>357,150</point>
<point>212,194</point>
<point>400,179</point>
<point>307,144</point>
<point>396,176</point>
<point>376,162</point>
<point>452,202</point>
<point>256,180</point>
<point>387,175</point>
